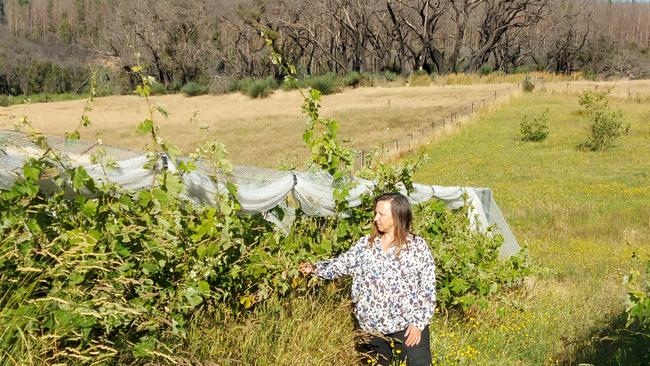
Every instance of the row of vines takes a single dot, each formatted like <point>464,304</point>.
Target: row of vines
<point>93,274</point>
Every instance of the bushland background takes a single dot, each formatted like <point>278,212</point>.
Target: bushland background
<point>46,46</point>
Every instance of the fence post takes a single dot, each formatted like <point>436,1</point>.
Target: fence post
<point>396,146</point>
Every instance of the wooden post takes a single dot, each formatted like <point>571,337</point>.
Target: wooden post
<point>472,107</point>
<point>396,146</point>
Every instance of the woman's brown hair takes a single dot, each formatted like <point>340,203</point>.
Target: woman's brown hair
<point>402,218</point>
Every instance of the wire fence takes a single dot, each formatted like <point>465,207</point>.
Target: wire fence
<point>396,146</point>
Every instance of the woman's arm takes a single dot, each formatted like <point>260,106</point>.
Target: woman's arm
<point>342,265</point>
<point>425,299</point>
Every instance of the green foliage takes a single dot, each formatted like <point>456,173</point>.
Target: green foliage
<point>84,121</point>
<point>254,88</point>
<point>158,88</point>
<point>468,268</point>
<point>606,124</point>
<point>419,78</point>
<point>534,129</point>
<point>522,69</point>
<point>638,302</point>
<point>353,79</point>
<point>485,70</point>
<point>325,84</point>
<point>384,78</point>
<point>193,89</point>
<point>39,98</point>
<point>175,86</point>
<point>27,76</point>
<point>590,75</point>
<point>528,84</point>
<point>119,269</point>
<point>261,88</point>
<point>320,136</point>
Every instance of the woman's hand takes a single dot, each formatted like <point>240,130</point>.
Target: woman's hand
<point>306,268</point>
<point>412,335</point>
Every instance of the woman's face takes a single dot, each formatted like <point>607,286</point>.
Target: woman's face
<point>384,217</point>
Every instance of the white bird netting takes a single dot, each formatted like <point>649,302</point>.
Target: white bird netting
<point>259,190</point>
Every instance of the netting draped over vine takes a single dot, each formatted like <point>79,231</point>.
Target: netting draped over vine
<point>259,190</point>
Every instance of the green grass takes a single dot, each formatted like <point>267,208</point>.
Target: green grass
<point>300,332</point>
<point>580,215</point>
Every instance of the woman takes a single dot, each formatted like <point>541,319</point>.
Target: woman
<point>393,284</point>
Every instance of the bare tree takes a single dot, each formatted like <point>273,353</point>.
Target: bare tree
<point>462,11</point>
<point>497,17</point>
<point>418,21</point>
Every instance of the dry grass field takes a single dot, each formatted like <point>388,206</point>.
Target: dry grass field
<point>629,90</point>
<point>264,132</point>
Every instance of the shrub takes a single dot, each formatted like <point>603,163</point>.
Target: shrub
<point>468,268</point>
<point>485,70</point>
<point>193,88</point>
<point>390,75</point>
<point>590,75</point>
<point>521,69</point>
<point>606,125</point>
<point>534,130</point>
<point>4,100</point>
<point>176,85</point>
<point>261,88</point>
<point>254,88</point>
<point>326,84</point>
<point>239,85</point>
<point>419,78</point>
<point>353,79</point>
<point>528,84</point>
<point>157,88</point>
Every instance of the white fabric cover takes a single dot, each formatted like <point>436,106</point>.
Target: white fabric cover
<point>259,190</point>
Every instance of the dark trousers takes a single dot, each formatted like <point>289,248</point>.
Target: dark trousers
<point>391,350</point>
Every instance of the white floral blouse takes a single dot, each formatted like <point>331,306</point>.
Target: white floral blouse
<point>389,292</point>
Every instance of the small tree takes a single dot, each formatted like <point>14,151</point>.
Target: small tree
<point>606,125</point>
<point>528,84</point>
<point>534,129</point>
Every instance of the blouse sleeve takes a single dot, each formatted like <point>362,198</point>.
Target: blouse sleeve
<point>425,299</point>
<point>342,265</point>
